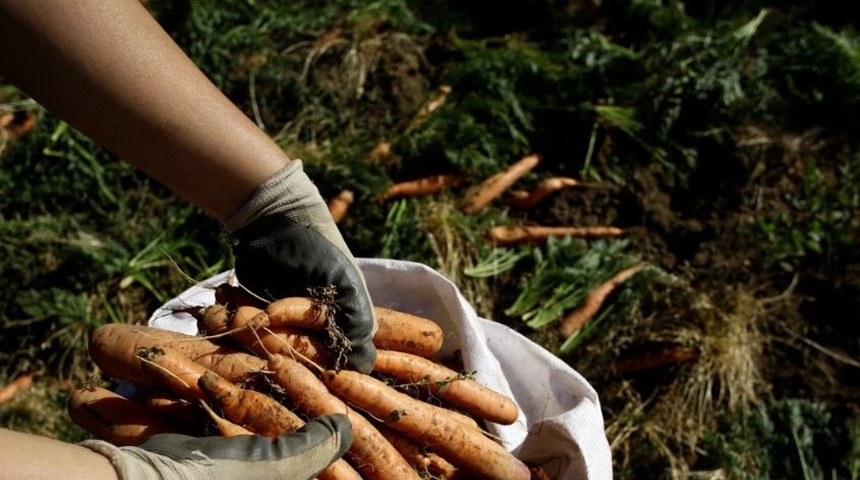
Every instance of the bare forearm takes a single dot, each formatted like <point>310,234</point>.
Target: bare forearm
<point>30,457</point>
<point>109,70</point>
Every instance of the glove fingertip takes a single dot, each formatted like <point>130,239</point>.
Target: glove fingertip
<point>339,425</point>
<point>362,357</point>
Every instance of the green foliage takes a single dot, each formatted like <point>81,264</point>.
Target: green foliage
<point>86,239</point>
<point>791,438</point>
<point>564,274</point>
<point>817,222</point>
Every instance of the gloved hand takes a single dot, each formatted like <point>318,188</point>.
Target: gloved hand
<point>295,456</point>
<point>287,242</point>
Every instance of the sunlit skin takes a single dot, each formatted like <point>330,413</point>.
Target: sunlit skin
<point>108,69</point>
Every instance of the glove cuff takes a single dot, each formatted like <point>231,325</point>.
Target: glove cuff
<point>288,190</point>
<point>133,463</point>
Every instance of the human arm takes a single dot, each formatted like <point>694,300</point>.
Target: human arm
<point>110,71</point>
<point>295,456</point>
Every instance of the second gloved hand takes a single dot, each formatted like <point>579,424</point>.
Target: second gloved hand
<point>294,456</point>
<point>287,243</point>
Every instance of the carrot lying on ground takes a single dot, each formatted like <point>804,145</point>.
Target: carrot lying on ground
<point>114,418</point>
<point>546,187</point>
<point>592,302</point>
<point>420,187</point>
<point>480,195</point>
<point>465,448</point>
<point>507,235</point>
<point>462,392</point>
<point>338,205</point>
<point>655,360</point>
<point>16,386</point>
<point>370,452</point>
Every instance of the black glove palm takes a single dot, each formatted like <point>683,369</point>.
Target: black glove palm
<point>287,243</point>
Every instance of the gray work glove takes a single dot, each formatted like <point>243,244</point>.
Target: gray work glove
<point>287,242</point>
<point>300,455</point>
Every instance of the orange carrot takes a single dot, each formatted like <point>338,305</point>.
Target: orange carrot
<point>225,427</point>
<point>655,360</point>
<point>420,187</point>
<point>296,312</point>
<point>463,392</point>
<point>253,410</point>
<point>507,235</point>
<point>337,470</point>
<point>16,386</point>
<point>523,199</point>
<point>181,413</point>
<point>480,195</point>
<point>114,418</point>
<point>421,460</point>
<point>466,448</point>
<point>592,302</point>
<point>432,105</point>
<point>382,151</point>
<point>396,330</point>
<point>406,333</point>
<point>167,368</point>
<point>369,452</point>
<point>113,348</point>
<point>338,205</point>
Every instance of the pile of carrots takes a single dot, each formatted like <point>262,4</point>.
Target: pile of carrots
<point>267,368</point>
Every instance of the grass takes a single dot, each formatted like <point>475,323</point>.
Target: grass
<point>726,133</point>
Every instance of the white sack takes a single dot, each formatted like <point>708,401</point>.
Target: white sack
<point>560,424</point>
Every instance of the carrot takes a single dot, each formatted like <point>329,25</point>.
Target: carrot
<point>507,235</point>
<point>181,413</point>
<point>249,328</point>
<point>370,452</point>
<point>421,460</point>
<point>338,205</point>
<point>420,187</point>
<point>16,386</point>
<point>253,410</point>
<point>396,330</point>
<point>480,195</point>
<point>404,332</point>
<point>167,368</point>
<point>432,105</point>
<point>655,360</point>
<point>114,418</point>
<point>380,152</point>
<point>337,470</point>
<point>592,302</point>
<point>465,448</point>
<point>225,427</point>
<point>296,312</point>
<point>113,348</point>
<point>463,392</point>
<point>528,199</point>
